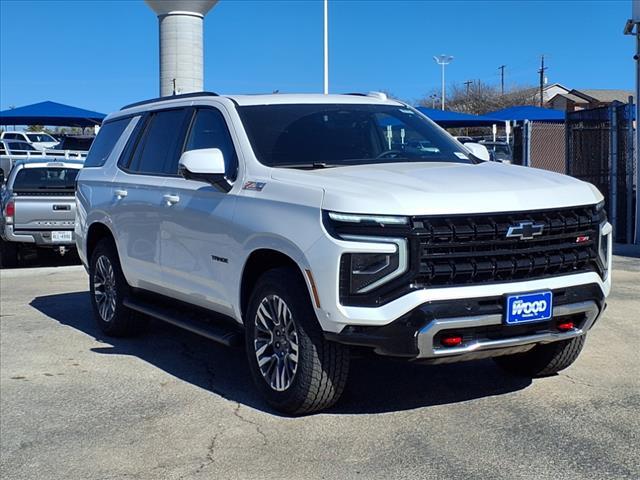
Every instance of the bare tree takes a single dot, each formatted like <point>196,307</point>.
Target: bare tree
<point>479,98</point>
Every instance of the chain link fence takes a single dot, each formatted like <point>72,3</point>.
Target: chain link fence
<point>599,150</point>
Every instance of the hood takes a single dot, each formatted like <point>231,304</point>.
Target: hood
<point>441,188</point>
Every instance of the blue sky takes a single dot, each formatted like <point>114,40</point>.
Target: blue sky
<point>101,55</point>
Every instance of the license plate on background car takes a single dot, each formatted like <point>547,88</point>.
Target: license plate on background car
<point>57,237</point>
<point>529,307</point>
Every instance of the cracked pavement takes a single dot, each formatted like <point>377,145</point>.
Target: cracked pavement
<point>170,405</point>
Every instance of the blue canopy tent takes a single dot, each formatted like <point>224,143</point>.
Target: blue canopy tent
<point>51,113</point>
<point>448,119</point>
<point>533,114</point>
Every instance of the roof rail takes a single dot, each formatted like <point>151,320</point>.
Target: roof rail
<point>171,97</point>
<point>378,95</point>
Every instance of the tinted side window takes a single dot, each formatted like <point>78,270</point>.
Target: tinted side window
<point>158,150</point>
<point>107,137</point>
<point>210,130</point>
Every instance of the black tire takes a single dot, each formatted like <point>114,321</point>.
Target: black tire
<point>543,360</point>
<point>8,254</point>
<point>121,321</point>
<point>322,366</point>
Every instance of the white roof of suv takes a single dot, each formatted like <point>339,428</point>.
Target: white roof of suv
<point>372,98</point>
<point>293,98</point>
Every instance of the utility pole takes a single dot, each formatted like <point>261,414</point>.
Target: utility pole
<point>501,68</point>
<point>467,84</point>
<point>541,72</point>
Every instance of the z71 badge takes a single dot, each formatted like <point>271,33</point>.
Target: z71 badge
<point>256,186</point>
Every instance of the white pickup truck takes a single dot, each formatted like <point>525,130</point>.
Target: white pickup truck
<point>315,225</point>
<point>38,208</point>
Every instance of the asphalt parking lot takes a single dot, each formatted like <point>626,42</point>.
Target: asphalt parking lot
<point>169,405</point>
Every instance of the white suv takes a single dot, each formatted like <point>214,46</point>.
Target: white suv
<point>39,140</point>
<point>312,225</point>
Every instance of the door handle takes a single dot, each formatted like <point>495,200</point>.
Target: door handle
<point>171,199</point>
<point>120,194</point>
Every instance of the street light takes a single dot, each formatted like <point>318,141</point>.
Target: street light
<point>443,60</point>
<point>634,22</point>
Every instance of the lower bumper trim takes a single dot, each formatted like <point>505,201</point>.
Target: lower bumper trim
<point>41,238</point>
<point>426,336</point>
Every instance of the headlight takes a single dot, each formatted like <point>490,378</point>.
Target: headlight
<point>366,271</point>
<point>383,258</point>
<point>372,219</point>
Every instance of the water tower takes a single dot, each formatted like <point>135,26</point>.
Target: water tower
<point>181,51</point>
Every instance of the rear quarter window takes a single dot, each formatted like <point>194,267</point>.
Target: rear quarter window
<point>105,141</point>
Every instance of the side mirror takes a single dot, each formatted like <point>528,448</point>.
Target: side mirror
<point>205,165</point>
<point>478,151</point>
<point>1,177</point>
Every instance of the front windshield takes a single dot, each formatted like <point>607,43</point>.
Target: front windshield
<point>315,135</point>
<point>501,151</point>
<point>40,137</point>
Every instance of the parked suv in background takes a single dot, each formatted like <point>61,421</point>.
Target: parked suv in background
<point>39,140</point>
<point>311,225</point>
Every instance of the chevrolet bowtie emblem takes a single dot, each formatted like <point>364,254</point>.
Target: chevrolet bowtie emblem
<point>525,230</point>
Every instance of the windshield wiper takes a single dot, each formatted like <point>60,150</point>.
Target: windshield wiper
<point>306,166</point>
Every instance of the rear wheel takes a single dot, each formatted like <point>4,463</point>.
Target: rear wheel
<point>543,360</point>
<point>296,369</point>
<point>108,289</point>
<point>8,254</point>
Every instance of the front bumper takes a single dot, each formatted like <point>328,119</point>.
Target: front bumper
<point>41,238</point>
<point>479,322</point>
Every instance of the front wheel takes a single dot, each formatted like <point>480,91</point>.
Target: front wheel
<point>296,369</point>
<point>108,289</point>
<point>543,360</point>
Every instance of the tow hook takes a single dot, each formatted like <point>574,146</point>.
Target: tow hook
<point>62,250</point>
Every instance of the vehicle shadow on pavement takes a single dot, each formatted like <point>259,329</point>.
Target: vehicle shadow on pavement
<point>375,384</point>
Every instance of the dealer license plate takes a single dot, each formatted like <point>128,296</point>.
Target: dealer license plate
<point>529,307</point>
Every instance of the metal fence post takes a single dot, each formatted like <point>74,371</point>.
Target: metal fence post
<point>613,168</point>
<point>628,109</point>
<point>526,144</point>
<point>568,151</point>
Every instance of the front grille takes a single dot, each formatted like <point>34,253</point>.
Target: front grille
<point>460,250</point>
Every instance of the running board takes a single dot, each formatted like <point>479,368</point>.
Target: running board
<point>218,332</point>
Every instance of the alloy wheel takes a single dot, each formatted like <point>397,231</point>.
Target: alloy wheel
<point>276,342</point>
<point>104,288</point>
